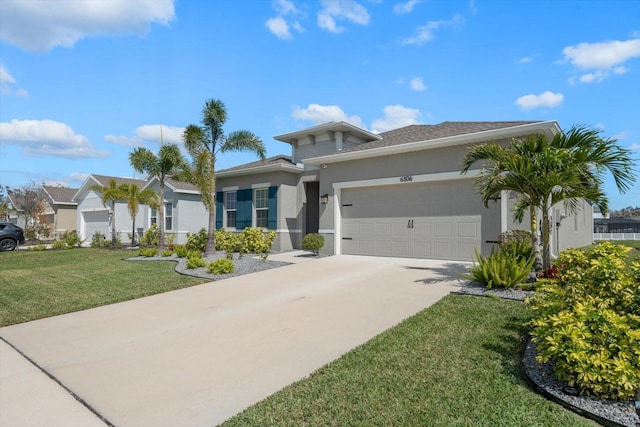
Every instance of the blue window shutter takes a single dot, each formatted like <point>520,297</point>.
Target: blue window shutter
<point>219,208</point>
<point>245,209</point>
<point>272,216</point>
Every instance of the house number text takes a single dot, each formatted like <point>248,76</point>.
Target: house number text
<point>406,178</point>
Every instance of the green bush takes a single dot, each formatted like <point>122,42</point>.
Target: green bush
<point>257,241</point>
<point>181,251</point>
<point>150,236</point>
<point>197,241</point>
<point>58,244</point>
<point>587,321</point>
<point>500,270</point>
<point>222,266</point>
<point>229,242</point>
<point>97,240</point>
<point>167,252</point>
<point>71,239</point>
<point>38,248</point>
<point>148,252</point>
<point>518,249</point>
<point>511,236</point>
<point>194,259</point>
<point>313,242</point>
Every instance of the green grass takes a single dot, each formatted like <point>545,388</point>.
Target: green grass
<point>40,284</point>
<point>454,364</point>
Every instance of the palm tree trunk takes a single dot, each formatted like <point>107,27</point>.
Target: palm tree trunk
<point>113,223</point>
<point>535,241</point>
<point>546,247</point>
<point>211,234</point>
<point>133,232</point>
<point>161,218</point>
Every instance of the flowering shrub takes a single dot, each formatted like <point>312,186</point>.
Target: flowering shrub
<point>587,321</point>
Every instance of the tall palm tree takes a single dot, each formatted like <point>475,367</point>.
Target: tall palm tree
<point>203,144</point>
<point>167,162</point>
<point>542,173</point>
<point>111,194</point>
<point>135,197</point>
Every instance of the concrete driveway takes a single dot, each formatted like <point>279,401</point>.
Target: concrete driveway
<point>197,356</point>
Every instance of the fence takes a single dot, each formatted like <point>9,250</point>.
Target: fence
<point>616,236</point>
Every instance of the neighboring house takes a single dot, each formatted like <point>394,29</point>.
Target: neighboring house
<point>13,210</point>
<point>184,211</point>
<point>93,217</point>
<point>61,210</point>
<point>616,225</point>
<point>398,193</point>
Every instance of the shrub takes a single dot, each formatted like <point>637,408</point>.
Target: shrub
<point>71,239</point>
<point>197,241</point>
<point>150,236</point>
<point>518,249</point>
<point>167,252</point>
<point>500,269</point>
<point>97,240</point>
<point>222,266</point>
<point>38,248</point>
<point>148,252</point>
<point>169,238</point>
<point>181,251</point>
<point>313,242</point>
<point>587,322</point>
<point>194,259</point>
<point>257,241</point>
<point>229,242</point>
<point>58,244</point>
<point>511,236</point>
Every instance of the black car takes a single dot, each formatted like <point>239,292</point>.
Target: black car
<point>10,236</point>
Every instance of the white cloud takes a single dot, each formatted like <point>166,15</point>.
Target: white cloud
<point>405,7</point>
<point>39,25</point>
<point>47,138</point>
<point>545,99</point>
<point>6,83</point>
<point>602,59</point>
<point>280,25</point>
<point>78,176</point>
<point>417,84</point>
<point>348,10</point>
<point>426,33</point>
<point>319,114</point>
<point>396,116</point>
<point>622,135</point>
<point>524,60</point>
<point>634,147</point>
<point>149,133</point>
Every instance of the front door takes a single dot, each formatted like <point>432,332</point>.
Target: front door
<point>312,207</point>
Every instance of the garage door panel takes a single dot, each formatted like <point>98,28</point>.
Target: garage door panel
<point>424,220</point>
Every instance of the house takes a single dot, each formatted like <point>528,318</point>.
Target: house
<point>93,217</point>
<point>61,210</point>
<point>616,225</point>
<point>398,193</point>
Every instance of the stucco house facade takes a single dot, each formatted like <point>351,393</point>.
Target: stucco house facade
<point>398,193</point>
<point>61,211</point>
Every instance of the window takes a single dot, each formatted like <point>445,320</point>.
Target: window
<point>231,208</point>
<point>168,216</point>
<point>262,207</point>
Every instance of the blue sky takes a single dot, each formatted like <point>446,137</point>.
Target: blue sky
<point>83,82</point>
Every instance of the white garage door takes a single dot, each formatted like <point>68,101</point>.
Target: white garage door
<point>96,222</point>
<point>438,220</point>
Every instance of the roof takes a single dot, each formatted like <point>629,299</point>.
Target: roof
<point>103,180</point>
<point>272,164</point>
<point>617,221</point>
<point>175,185</point>
<point>420,137</point>
<point>292,137</point>
<point>60,195</point>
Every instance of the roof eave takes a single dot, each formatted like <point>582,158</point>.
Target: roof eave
<point>550,128</point>
<point>261,169</point>
<point>337,126</point>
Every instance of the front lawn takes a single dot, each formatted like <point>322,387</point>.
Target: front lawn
<point>37,284</point>
<point>453,364</point>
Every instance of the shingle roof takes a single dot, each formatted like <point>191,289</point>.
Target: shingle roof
<point>60,194</point>
<point>181,185</point>
<point>415,133</point>
<point>279,159</point>
<point>104,180</point>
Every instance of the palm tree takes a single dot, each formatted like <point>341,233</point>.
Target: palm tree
<point>204,143</point>
<point>167,162</point>
<point>111,194</point>
<point>134,198</point>
<point>568,168</point>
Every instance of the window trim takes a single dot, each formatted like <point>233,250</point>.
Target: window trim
<point>226,210</point>
<point>264,208</point>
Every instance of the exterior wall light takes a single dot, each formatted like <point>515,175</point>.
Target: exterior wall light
<point>324,199</point>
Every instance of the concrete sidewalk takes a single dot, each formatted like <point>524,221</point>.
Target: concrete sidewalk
<point>197,356</point>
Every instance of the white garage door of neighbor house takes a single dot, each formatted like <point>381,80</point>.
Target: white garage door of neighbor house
<point>438,220</point>
<point>96,222</point>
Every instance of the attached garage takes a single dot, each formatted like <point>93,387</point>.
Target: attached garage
<point>439,220</point>
<point>95,221</point>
